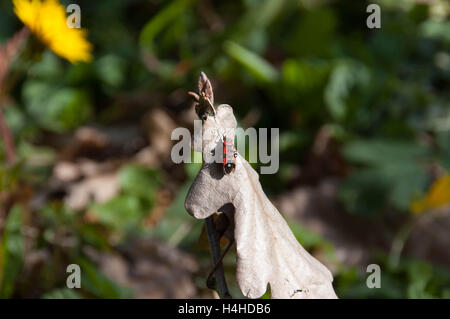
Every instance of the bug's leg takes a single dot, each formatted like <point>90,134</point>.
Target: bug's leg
<point>195,96</point>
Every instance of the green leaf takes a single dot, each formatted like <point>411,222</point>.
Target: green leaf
<point>192,169</point>
<point>111,69</point>
<point>93,281</point>
<point>9,176</point>
<point>364,192</point>
<point>312,33</point>
<point>368,190</point>
<point>383,152</point>
<point>54,108</point>
<point>126,211</point>
<point>138,180</point>
<point>253,63</point>
<point>446,293</point>
<point>305,237</point>
<point>436,29</point>
<point>11,252</point>
<point>162,19</point>
<point>123,213</point>
<point>49,68</point>
<point>346,75</point>
<point>63,293</point>
<point>420,274</point>
<point>304,76</point>
<point>15,119</point>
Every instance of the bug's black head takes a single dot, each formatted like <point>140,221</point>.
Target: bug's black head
<point>229,167</point>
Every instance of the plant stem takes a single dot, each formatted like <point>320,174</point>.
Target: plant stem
<point>399,242</point>
<point>15,47</point>
<point>7,138</point>
<point>214,242</point>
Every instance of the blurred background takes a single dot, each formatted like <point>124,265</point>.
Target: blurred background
<point>364,117</point>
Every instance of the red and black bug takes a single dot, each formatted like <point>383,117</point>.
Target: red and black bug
<point>229,155</point>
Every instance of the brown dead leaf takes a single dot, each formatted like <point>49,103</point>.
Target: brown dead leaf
<point>153,269</point>
<point>159,129</point>
<point>66,171</point>
<point>99,189</point>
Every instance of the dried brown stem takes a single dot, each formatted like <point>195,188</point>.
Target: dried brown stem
<point>7,138</point>
<point>214,242</point>
<point>205,105</point>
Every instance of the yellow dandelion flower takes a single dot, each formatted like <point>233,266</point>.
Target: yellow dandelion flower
<point>437,196</point>
<point>47,20</point>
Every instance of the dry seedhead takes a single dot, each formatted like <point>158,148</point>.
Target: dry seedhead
<point>204,99</point>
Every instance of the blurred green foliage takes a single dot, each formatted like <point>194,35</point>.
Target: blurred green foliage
<point>11,252</point>
<point>392,173</point>
<point>303,65</point>
<point>126,211</point>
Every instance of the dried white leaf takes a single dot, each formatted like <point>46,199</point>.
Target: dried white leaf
<point>267,251</point>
